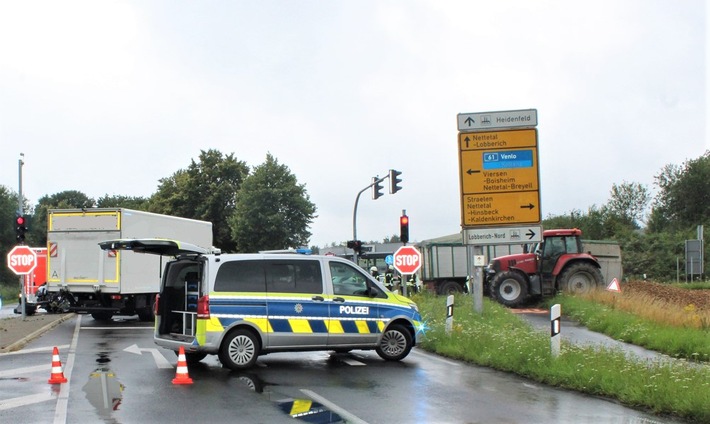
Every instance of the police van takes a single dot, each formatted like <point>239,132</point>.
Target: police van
<point>240,306</point>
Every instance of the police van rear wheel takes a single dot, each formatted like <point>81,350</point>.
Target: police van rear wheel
<point>395,344</point>
<point>239,349</point>
<point>192,358</point>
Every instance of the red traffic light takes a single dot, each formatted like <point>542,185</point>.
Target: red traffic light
<point>404,228</point>
<point>20,220</point>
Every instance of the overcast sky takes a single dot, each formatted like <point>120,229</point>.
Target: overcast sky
<point>107,97</point>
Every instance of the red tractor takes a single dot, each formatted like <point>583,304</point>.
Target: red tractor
<point>557,264</point>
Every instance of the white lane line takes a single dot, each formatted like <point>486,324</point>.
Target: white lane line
<point>25,370</point>
<point>60,412</point>
<point>434,357</point>
<point>117,328</point>
<point>352,362</point>
<point>34,350</point>
<point>24,400</point>
<point>347,416</point>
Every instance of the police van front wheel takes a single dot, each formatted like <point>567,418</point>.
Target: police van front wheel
<point>239,349</point>
<point>395,344</point>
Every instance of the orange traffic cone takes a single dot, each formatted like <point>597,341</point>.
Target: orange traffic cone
<point>57,373</point>
<point>181,376</point>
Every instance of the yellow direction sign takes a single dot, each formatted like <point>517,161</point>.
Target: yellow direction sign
<point>499,174</point>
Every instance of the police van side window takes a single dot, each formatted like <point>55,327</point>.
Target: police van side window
<point>347,280</point>
<point>298,276</point>
<point>240,276</point>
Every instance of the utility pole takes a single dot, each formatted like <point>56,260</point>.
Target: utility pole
<point>20,211</point>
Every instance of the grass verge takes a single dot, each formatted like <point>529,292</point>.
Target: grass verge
<point>678,332</point>
<point>501,340</point>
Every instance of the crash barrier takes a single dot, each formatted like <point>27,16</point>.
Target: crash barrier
<point>57,375</point>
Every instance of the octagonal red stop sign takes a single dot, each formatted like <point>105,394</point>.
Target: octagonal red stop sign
<point>407,260</point>
<point>22,260</point>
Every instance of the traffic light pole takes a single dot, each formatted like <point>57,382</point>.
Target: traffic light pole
<point>375,180</point>
<point>20,209</point>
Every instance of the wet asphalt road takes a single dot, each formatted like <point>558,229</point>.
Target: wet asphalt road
<point>117,374</point>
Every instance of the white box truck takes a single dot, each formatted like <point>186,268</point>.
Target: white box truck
<point>83,278</point>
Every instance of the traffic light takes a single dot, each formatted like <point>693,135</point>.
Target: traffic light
<point>376,188</point>
<point>395,181</point>
<point>355,245</point>
<point>20,228</point>
<point>404,228</point>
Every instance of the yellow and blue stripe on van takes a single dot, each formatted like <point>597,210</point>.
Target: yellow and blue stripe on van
<point>293,314</point>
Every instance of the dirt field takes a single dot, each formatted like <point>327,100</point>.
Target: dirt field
<point>677,296</point>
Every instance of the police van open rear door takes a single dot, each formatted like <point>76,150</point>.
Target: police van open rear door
<point>180,286</point>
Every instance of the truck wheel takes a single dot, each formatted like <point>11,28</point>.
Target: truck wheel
<point>449,287</point>
<point>580,278</point>
<point>239,349</point>
<point>395,344</point>
<point>102,316</point>
<point>510,289</point>
<point>146,314</point>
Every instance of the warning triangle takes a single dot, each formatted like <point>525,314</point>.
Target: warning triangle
<point>614,286</point>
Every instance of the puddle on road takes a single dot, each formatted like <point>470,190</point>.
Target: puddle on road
<point>103,390</point>
<point>301,409</point>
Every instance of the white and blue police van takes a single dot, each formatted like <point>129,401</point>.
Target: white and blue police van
<point>240,306</point>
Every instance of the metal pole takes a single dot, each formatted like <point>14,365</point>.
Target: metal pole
<point>20,210</point>
<point>477,286</point>
<point>357,199</point>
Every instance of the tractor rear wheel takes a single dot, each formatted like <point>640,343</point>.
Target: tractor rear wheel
<point>510,288</point>
<point>580,278</point>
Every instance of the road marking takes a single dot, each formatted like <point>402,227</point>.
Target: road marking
<point>25,400</point>
<point>347,416</point>
<point>158,357</point>
<point>434,357</point>
<point>117,328</point>
<point>25,370</point>
<point>352,362</point>
<point>34,350</point>
<point>60,412</point>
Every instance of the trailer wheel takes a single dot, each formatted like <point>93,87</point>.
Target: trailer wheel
<point>580,278</point>
<point>239,350</point>
<point>450,287</point>
<point>510,289</point>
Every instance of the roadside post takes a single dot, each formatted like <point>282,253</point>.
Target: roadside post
<point>555,314</point>
<point>449,313</point>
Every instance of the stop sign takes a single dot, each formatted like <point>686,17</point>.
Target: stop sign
<point>407,260</point>
<point>22,260</point>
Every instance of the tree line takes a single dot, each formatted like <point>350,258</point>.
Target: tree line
<point>265,208</point>
<point>651,230</point>
<point>259,208</point>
